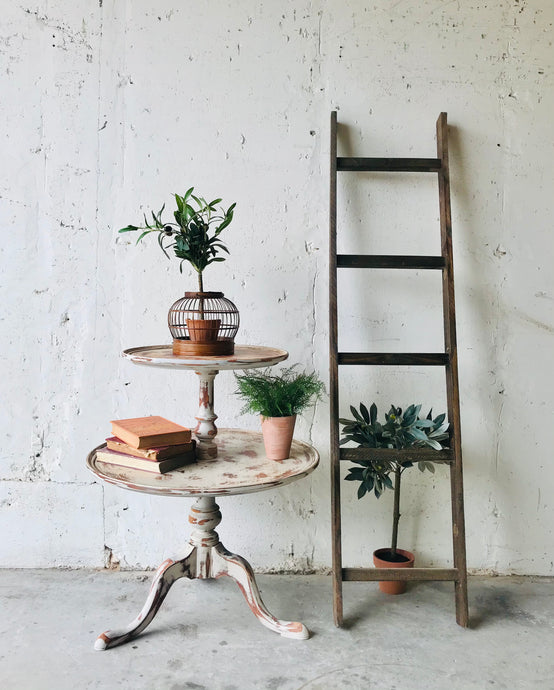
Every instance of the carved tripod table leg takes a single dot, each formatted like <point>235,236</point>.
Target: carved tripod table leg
<point>206,558</point>
<point>225,563</point>
<point>215,561</point>
<point>168,573</point>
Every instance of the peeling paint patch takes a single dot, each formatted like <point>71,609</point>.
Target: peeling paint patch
<point>110,561</point>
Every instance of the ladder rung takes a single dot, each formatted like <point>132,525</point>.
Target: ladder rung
<point>388,261</point>
<point>387,574</point>
<point>389,164</point>
<point>430,359</point>
<point>405,454</point>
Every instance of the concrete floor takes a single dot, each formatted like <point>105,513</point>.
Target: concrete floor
<point>205,637</point>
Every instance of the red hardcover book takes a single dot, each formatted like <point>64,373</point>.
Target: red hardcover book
<point>150,432</point>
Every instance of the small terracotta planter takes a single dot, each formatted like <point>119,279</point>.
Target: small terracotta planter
<point>278,433</point>
<point>203,330</point>
<point>381,559</point>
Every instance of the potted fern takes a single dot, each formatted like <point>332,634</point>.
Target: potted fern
<point>278,399</point>
<point>202,323</point>
<point>400,429</point>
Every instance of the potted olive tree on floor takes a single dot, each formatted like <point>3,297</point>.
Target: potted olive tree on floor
<point>278,398</point>
<point>201,323</point>
<point>399,430</point>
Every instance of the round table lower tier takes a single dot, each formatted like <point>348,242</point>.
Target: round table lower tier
<point>241,467</point>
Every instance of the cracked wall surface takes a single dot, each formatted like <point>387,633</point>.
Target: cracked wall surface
<point>110,107</point>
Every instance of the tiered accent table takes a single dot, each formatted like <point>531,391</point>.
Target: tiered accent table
<point>239,466</point>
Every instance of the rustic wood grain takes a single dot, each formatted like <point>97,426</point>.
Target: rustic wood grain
<point>405,454</point>
<point>451,371</point>
<point>428,359</point>
<point>389,261</point>
<point>388,164</point>
<point>334,383</point>
<point>192,348</point>
<point>384,574</point>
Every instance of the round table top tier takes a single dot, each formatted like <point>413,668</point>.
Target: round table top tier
<point>240,468</point>
<point>244,357</point>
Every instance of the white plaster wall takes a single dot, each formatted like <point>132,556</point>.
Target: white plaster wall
<point>109,107</point>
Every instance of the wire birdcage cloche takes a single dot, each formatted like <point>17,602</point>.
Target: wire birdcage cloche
<point>203,323</point>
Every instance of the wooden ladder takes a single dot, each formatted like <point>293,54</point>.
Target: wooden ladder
<point>447,359</point>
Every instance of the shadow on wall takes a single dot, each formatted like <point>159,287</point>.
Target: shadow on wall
<point>481,375</point>
<point>484,298</point>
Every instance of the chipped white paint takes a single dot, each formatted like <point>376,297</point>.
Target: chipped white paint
<point>109,107</point>
<point>241,468</point>
<point>205,430</point>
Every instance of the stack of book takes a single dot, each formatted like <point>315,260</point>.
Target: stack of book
<point>152,444</point>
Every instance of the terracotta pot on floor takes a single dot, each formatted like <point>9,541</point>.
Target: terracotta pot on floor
<point>277,433</point>
<point>381,559</point>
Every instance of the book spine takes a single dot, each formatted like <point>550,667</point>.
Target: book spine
<point>173,439</point>
<point>132,462</point>
<point>152,454</point>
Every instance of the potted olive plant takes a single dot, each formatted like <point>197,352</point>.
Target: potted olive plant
<point>399,430</point>
<point>201,323</point>
<point>278,398</point>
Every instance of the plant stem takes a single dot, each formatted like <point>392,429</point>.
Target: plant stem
<point>201,289</point>
<point>396,511</point>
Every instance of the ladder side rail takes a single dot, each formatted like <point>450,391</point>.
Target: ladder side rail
<point>334,384</point>
<point>451,370</point>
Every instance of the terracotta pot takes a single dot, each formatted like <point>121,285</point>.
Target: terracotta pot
<point>381,559</point>
<point>203,330</point>
<point>277,433</point>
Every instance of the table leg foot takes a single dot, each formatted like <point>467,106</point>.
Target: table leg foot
<point>168,573</point>
<point>236,567</point>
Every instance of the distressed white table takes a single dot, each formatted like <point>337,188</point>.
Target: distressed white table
<point>241,467</point>
<point>244,357</point>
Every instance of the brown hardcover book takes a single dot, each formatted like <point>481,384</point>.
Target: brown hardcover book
<point>150,432</point>
<point>159,467</point>
<point>160,453</point>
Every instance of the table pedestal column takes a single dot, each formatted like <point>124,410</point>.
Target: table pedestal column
<point>206,558</point>
<point>206,430</point>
